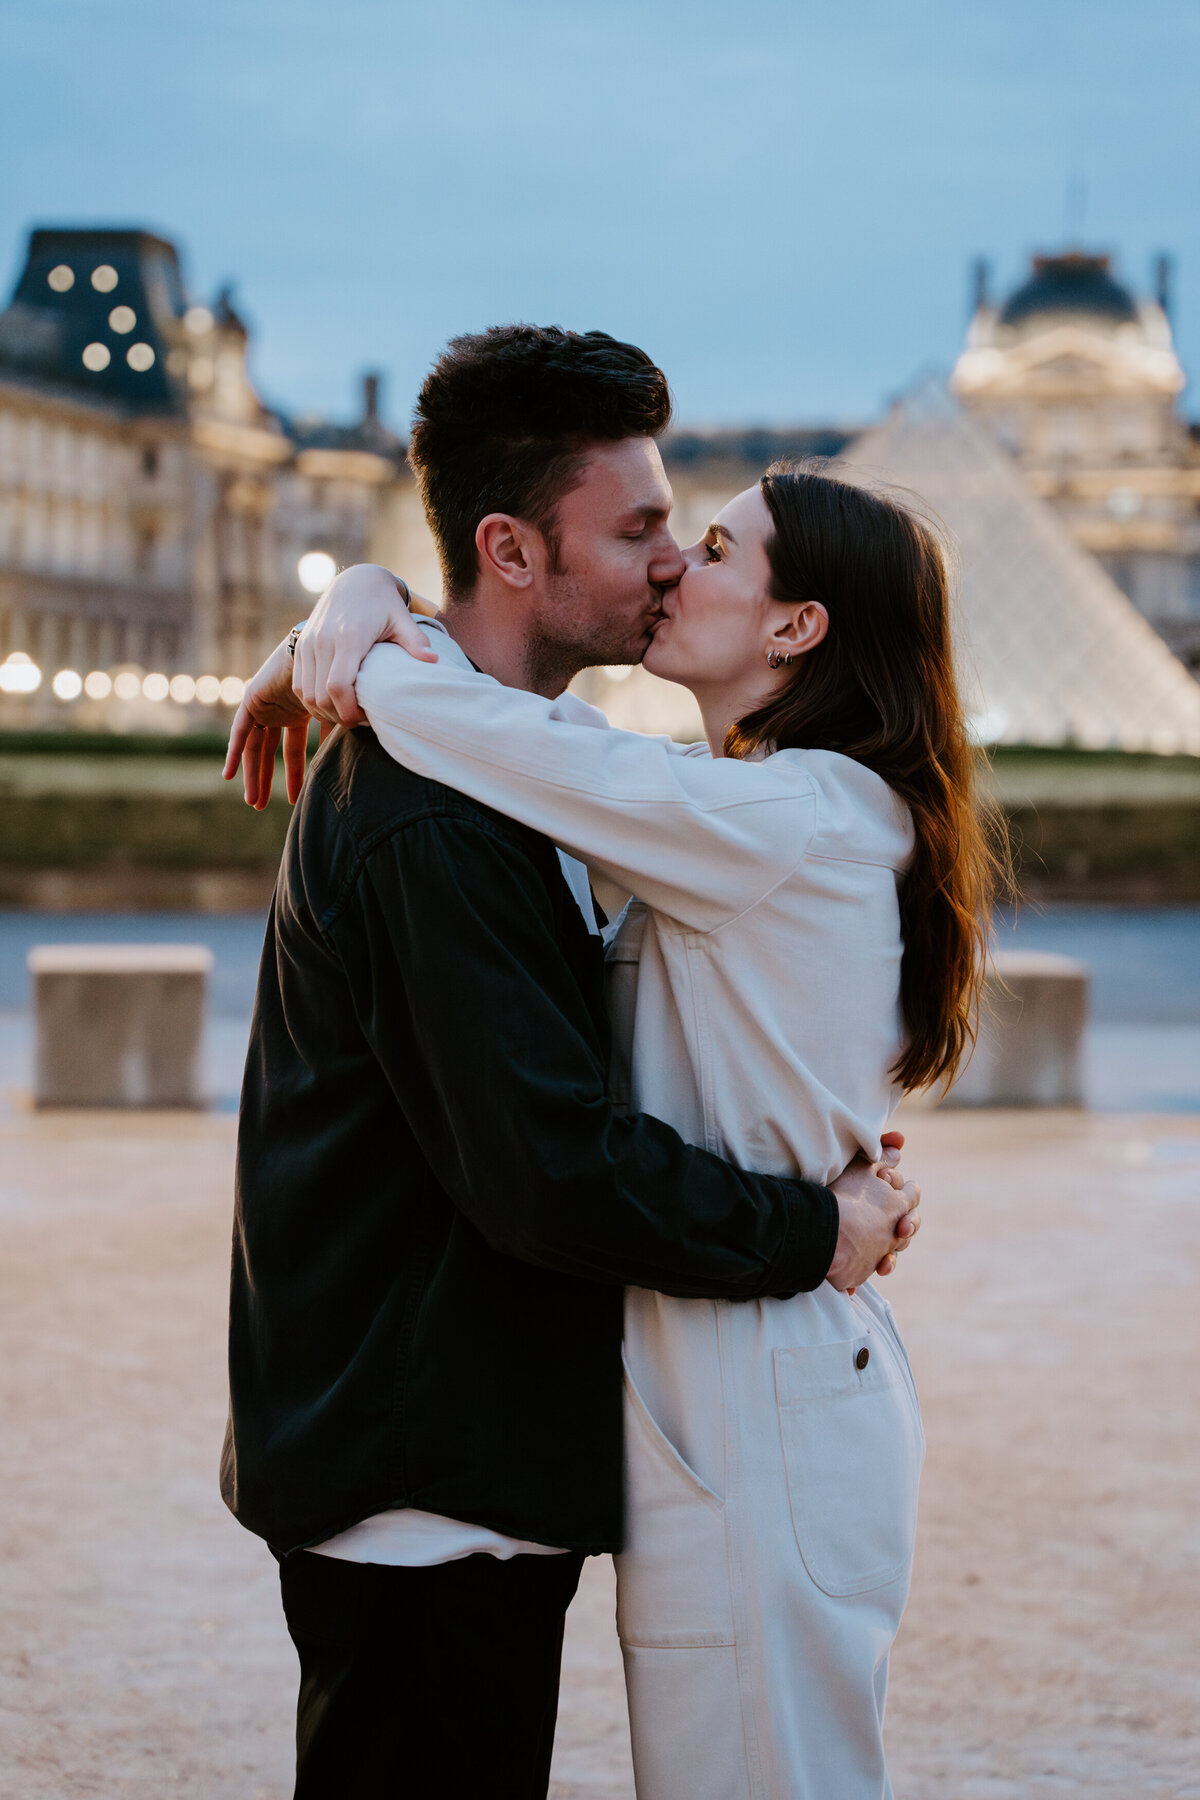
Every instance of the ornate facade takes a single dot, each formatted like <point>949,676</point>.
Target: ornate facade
<point>153,510</point>
<point>1079,380</point>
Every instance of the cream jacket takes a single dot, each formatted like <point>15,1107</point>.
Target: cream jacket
<point>764,939</point>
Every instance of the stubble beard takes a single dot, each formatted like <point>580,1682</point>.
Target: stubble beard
<point>566,640</point>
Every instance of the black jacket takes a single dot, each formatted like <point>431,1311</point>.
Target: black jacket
<point>437,1206</point>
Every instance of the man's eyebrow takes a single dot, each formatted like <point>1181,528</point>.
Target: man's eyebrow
<point>650,510</point>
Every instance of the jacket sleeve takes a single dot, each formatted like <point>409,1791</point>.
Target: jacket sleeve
<point>479,1022</point>
<point>698,838</point>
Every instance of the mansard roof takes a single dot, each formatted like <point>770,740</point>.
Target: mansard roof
<point>1050,650</point>
<point>369,436</point>
<point>754,445</point>
<point>98,311</point>
<point>1071,283</point>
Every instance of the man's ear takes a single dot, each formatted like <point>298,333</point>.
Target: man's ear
<point>504,548</point>
<point>802,629</point>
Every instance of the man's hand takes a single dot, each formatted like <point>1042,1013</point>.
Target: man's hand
<point>360,608</point>
<point>878,1217</point>
<point>269,710</point>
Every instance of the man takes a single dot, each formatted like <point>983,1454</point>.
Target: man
<point>438,1207</point>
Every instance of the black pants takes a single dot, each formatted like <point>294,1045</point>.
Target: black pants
<point>427,1684</point>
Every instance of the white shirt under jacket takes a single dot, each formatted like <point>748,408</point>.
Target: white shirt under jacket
<point>765,949</point>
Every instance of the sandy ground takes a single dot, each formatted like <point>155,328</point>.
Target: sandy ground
<point>1052,1645</point>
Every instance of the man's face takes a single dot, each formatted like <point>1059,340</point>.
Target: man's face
<point>615,555</point>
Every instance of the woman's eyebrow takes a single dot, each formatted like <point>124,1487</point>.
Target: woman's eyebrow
<point>721,531</point>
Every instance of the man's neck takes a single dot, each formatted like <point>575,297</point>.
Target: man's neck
<point>502,648</point>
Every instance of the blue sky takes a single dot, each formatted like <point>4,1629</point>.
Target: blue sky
<point>779,200</point>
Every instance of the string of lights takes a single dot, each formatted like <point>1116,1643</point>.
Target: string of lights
<point>20,675</point>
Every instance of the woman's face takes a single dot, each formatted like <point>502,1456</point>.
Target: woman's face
<point>718,623</point>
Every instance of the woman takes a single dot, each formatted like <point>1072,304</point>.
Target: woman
<point>806,941</point>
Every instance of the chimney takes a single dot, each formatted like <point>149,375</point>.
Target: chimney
<point>980,279</point>
<point>371,396</point>
<point>1162,282</point>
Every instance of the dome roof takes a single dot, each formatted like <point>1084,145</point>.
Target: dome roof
<point>1071,283</point>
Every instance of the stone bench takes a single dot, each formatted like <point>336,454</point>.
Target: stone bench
<point>119,1024</point>
<point>1030,1048</point>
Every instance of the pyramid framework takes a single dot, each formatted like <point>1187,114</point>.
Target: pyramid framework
<point>1051,652</point>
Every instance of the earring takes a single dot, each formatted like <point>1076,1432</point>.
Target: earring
<point>775,657</point>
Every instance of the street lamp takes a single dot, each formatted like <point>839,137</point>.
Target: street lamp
<point>316,570</point>
<point>19,674</point>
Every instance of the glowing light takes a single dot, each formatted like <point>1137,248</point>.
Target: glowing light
<point>988,727</point>
<point>155,687</point>
<point>19,674</point>
<point>197,320</point>
<point>67,684</point>
<point>140,357</point>
<point>127,686</point>
<point>1124,503</point>
<point>122,318</point>
<point>61,278</point>
<point>316,570</point>
<point>98,685</point>
<point>232,689</point>
<point>183,689</point>
<point>104,279</point>
<point>617,671</point>
<point>96,357</point>
<point>208,690</point>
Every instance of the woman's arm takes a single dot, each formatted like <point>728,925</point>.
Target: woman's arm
<point>698,838</point>
<point>363,606</point>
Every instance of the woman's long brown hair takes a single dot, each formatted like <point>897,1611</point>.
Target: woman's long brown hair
<point>881,688</point>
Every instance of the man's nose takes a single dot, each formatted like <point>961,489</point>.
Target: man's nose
<point>666,564</point>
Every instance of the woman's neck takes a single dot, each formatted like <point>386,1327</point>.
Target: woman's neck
<point>721,708</point>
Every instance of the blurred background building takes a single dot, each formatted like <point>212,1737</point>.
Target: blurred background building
<point>154,512</point>
<point>1078,379</point>
<point>1060,461</point>
<point>161,525</point>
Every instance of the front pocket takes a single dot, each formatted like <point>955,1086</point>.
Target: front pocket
<point>852,1450</point>
<point>673,1575</point>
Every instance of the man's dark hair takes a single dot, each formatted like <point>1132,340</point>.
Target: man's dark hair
<point>506,419</point>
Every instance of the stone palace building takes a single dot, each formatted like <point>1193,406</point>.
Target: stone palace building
<point>1078,379</point>
<point>153,510</point>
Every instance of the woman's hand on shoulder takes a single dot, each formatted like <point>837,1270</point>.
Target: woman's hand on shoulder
<point>362,607</point>
<point>269,712</point>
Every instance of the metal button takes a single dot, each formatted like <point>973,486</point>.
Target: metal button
<point>863,1358</point>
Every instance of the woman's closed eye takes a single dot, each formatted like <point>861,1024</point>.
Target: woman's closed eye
<point>712,551</point>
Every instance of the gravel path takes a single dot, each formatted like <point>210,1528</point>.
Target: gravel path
<point>1052,1646</point>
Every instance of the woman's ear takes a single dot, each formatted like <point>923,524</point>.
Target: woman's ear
<point>502,543</point>
<point>801,630</point>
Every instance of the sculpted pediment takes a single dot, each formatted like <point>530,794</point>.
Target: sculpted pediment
<point>1069,358</point>
<point>1069,351</point>
<point>1068,368</point>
